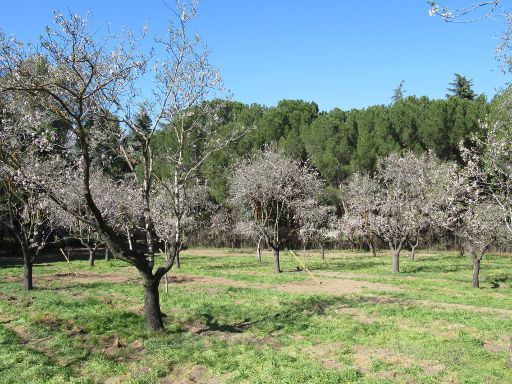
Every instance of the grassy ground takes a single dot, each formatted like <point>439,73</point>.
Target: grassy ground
<point>232,320</point>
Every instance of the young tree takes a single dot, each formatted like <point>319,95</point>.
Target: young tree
<point>23,208</point>
<point>194,212</point>
<point>270,189</point>
<point>361,209</point>
<point>401,209</point>
<point>316,222</point>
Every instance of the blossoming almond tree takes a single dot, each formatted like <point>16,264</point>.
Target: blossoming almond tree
<point>270,189</point>
<point>90,77</point>
<point>23,208</point>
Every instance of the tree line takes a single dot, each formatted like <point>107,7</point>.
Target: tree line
<point>338,143</point>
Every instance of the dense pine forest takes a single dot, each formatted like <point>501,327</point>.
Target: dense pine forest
<point>338,143</point>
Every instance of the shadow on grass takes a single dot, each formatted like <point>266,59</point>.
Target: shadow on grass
<point>339,266</point>
<point>296,315</point>
<point>416,268</point>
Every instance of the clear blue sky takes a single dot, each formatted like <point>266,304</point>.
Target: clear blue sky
<point>336,53</point>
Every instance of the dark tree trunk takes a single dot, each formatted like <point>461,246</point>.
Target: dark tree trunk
<point>476,269</point>
<point>152,311</point>
<point>277,267</point>
<point>177,262</point>
<point>27,275</point>
<point>91,257</point>
<point>322,250</point>
<point>413,253</point>
<point>28,263</point>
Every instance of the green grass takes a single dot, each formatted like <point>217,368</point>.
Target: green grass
<point>230,319</point>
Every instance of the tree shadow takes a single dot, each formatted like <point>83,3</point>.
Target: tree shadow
<point>213,325</point>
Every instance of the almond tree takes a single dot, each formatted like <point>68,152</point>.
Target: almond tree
<point>270,189</point>
<point>360,204</point>
<point>89,77</point>
<point>401,210</point>
<point>193,213</point>
<point>316,222</point>
<point>480,229</point>
<point>489,162</point>
<point>118,200</point>
<point>458,203</point>
<point>23,208</point>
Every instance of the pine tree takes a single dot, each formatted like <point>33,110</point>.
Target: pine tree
<point>461,88</point>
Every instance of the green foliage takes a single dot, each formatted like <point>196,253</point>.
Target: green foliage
<point>461,88</point>
<point>337,143</point>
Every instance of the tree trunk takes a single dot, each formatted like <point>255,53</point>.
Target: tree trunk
<point>28,263</point>
<point>152,312</point>
<point>461,250</point>
<point>91,257</point>
<point>258,251</point>
<point>277,267</point>
<point>372,248</point>
<point>476,269</point>
<point>177,262</point>
<point>27,278</point>
<point>107,256</point>
<point>130,245</point>
<point>396,261</point>
<point>322,250</point>
<point>413,253</point>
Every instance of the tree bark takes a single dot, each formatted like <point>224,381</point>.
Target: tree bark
<point>372,248</point>
<point>28,263</point>
<point>476,269</point>
<point>396,261</point>
<point>322,250</point>
<point>177,262</point>
<point>413,253</point>
<point>91,257</point>
<point>129,237</point>
<point>258,251</point>
<point>107,256</point>
<point>27,278</point>
<point>152,312</point>
<point>277,267</point>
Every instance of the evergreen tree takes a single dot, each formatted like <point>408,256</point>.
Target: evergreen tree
<point>461,88</point>
<point>398,92</point>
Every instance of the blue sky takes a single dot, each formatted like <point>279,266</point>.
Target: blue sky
<point>336,53</point>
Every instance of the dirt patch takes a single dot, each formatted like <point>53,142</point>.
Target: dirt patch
<point>29,340</point>
<point>325,353</point>
<point>197,374</point>
<point>365,357</point>
<point>330,286</point>
<point>356,314</point>
<point>498,346</point>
